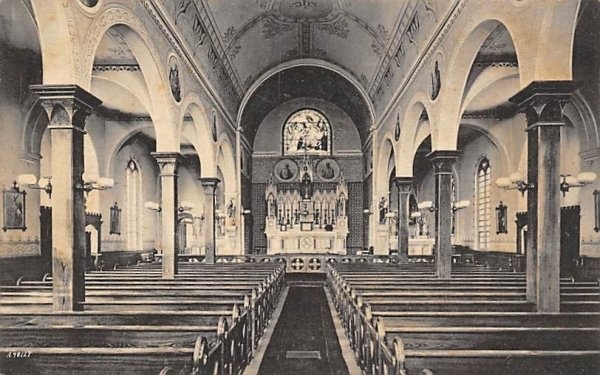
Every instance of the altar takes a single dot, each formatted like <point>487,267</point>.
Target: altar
<point>302,220</point>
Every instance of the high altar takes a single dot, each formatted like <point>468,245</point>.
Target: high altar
<point>306,221</point>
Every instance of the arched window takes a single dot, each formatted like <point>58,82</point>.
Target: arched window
<point>133,185</point>
<point>307,132</point>
<point>484,206</point>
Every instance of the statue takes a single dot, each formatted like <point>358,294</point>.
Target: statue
<point>231,209</point>
<point>382,210</point>
<point>306,187</point>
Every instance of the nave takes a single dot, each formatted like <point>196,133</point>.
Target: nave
<point>299,186</point>
<point>360,315</point>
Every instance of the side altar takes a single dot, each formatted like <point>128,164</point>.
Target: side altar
<point>306,221</point>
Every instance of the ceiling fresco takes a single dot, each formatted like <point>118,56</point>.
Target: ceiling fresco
<point>242,39</point>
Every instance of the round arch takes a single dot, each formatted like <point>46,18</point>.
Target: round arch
<point>203,142</point>
<point>306,62</point>
<point>58,42</point>
<point>387,152</point>
<point>226,163</point>
<point>112,152</point>
<point>411,125</point>
<point>448,111</point>
<point>140,43</point>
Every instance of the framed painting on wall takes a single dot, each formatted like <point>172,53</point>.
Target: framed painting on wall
<point>14,209</point>
<point>115,219</point>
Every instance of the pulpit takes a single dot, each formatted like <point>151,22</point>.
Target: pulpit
<point>305,220</point>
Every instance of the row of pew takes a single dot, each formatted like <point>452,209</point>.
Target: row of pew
<point>401,319</point>
<point>207,320</point>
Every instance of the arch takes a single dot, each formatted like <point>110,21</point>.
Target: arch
<point>387,152</point>
<point>500,146</point>
<point>306,62</point>
<point>449,110</point>
<point>153,71</point>
<point>554,58</point>
<point>485,80</point>
<point>325,129</point>
<point>203,142</point>
<point>58,41</point>
<point>410,125</point>
<point>226,164</point>
<point>133,213</point>
<point>36,122</point>
<point>113,151</point>
<point>582,117</point>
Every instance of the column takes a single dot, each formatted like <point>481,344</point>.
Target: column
<point>404,185</point>
<point>543,103</point>
<point>167,163</point>
<point>210,186</point>
<point>239,217</point>
<point>67,107</point>
<point>442,161</point>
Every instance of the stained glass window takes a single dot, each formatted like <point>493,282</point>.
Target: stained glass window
<point>307,132</point>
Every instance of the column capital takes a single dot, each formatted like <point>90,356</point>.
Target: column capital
<point>442,160</point>
<point>404,184</point>
<point>167,156</point>
<point>167,162</point>
<point>70,100</point>
<point>209,182</point>
<point>543,102</point>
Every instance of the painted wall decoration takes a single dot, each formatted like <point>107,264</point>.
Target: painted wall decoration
<point>328,170</point>
<point>14,209</point>
<point>286,170</point>
<point>307,132</point>
<point>174,81</point>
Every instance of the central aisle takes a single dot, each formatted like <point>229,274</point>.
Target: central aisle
<point>304,340</point>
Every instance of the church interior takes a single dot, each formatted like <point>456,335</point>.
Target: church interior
<point>300,187</point>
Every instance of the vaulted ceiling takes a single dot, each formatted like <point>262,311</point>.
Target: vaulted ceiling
<point>305,81</point>
<point>260,34</point>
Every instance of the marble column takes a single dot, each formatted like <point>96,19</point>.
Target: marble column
<point>543,103</point>
<point>67,107</point>
<point>442,162</point>
<point>404,185</point>
<point>210,239</point>
<point>167,163</point>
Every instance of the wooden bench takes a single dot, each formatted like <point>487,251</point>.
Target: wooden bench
<point>460,327</point>
<point>164,327</point>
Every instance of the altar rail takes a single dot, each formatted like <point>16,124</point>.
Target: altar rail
<point>299,263</point>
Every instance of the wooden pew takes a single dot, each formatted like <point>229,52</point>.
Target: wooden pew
<point>452,331</point>
<point>112,342</point>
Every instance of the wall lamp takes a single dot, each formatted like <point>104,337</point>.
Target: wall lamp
<point>429,206</point>
<point>515,181</point>
<point>31,182</point>
<point>582,179</point>
<point>153,206</point>
<point>88,184</point>
<point>366,211</point>
<point>185,206</point>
